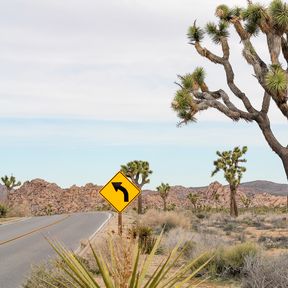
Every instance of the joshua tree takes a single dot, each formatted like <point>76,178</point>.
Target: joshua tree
<point>246,201</point>
<point>229,162</point>
<point>10,182</point>
<point>193,199</point>
<point>138,172</point>
<point>163,190</point>
<point>194,94</point>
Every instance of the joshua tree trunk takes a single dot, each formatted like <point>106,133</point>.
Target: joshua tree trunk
<point>285,164</point>
<point>140,210</point>
<point>233,203</point>
<point>165,204</point>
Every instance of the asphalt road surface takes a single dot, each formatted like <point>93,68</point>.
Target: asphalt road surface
<point>18,254</point>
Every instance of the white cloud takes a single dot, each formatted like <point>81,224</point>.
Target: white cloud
<point>111,60</point>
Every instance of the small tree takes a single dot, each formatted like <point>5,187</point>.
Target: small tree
<point>246,201</point>
<point>229,162</point>
<point>10,182</point>
<point>163,190</point>
<point>193,199</point>
<point>138,172</point>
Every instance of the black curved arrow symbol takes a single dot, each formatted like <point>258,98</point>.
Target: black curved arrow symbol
<point>117,186</point>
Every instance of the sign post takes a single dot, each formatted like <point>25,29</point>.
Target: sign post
<point>120,192</point>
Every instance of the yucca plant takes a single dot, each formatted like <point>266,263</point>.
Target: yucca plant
<point>136,273</point>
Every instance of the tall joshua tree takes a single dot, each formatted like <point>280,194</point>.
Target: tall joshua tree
<point>163,190</point>
<point>138,172</point>
<point>194,94</point>
<point>10,182</point>
<point>229,162</point>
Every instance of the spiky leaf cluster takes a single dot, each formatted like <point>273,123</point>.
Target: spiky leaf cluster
<point>223,12</point>
<point>199,75</point>
<point>279,14</point>
<point>10,182</point>
<point>163,190</point>
<point>138,171</point>
<point>229,163</point>
<point>216,32</point>
<point>195,33</point>
<point>252,17</point>
<point>276,79</point>
<point>183,100</point>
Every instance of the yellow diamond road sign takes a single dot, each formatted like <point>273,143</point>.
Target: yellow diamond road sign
<point>120,192</point>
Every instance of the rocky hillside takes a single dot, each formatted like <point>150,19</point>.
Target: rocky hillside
<point>38,197</point>
<point>216,195</point>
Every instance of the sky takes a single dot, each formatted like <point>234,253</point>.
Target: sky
<point>86,86</point>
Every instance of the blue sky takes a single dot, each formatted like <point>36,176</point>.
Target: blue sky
<point>87,85</point>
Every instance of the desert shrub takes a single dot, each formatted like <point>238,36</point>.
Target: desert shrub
<point>277,221</point>
<point>3,210</point>
<point>168,220</point>
<point>201,215</point>
<point>260,271</point>
<point>229,261</point>
<point>45,272</point>
<point>144,234</point>
<point>270,242</point>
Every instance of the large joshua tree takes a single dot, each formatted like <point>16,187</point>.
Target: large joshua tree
<point>230,163</point>
<point>163,190</point>
<point>138,172</point>
<point>194,94</point>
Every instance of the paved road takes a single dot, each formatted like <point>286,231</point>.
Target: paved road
<point>17,256</point>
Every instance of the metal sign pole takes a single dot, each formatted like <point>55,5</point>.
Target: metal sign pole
<point>120,224</point>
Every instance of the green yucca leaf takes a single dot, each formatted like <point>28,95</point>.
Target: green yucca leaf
<point>252,17</point>
<point>276,80</point>
<point>182,100</point>
<point>279,13</point>
<point>79,277</point>
<point>254,12</point>
<point>217,32</point>
<point>237,11</point>
<point>188,81</point>
<point>223,12</point>
<point>195,33</point>
<point>199,75</point>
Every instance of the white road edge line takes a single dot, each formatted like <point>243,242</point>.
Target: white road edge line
<point>16,221</point>
<point>78,250</point>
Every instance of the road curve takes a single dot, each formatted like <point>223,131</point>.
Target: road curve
<point>22,244</point>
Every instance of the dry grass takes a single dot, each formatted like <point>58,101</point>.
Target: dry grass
<point>169,219</point>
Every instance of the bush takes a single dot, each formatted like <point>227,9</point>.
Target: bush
<point>259,272</point>
<point>229,261</point>
<point>3,210</point>
<point>145,237</point>
<point>168,220</point>
<point>270,242</point>
<point>42,273</point>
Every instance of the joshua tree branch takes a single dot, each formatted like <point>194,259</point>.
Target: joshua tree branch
<point>284,45</point>
<point>228,70</point>
<point>266,103</point>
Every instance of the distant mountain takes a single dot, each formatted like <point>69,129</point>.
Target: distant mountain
<point>268,187</point>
